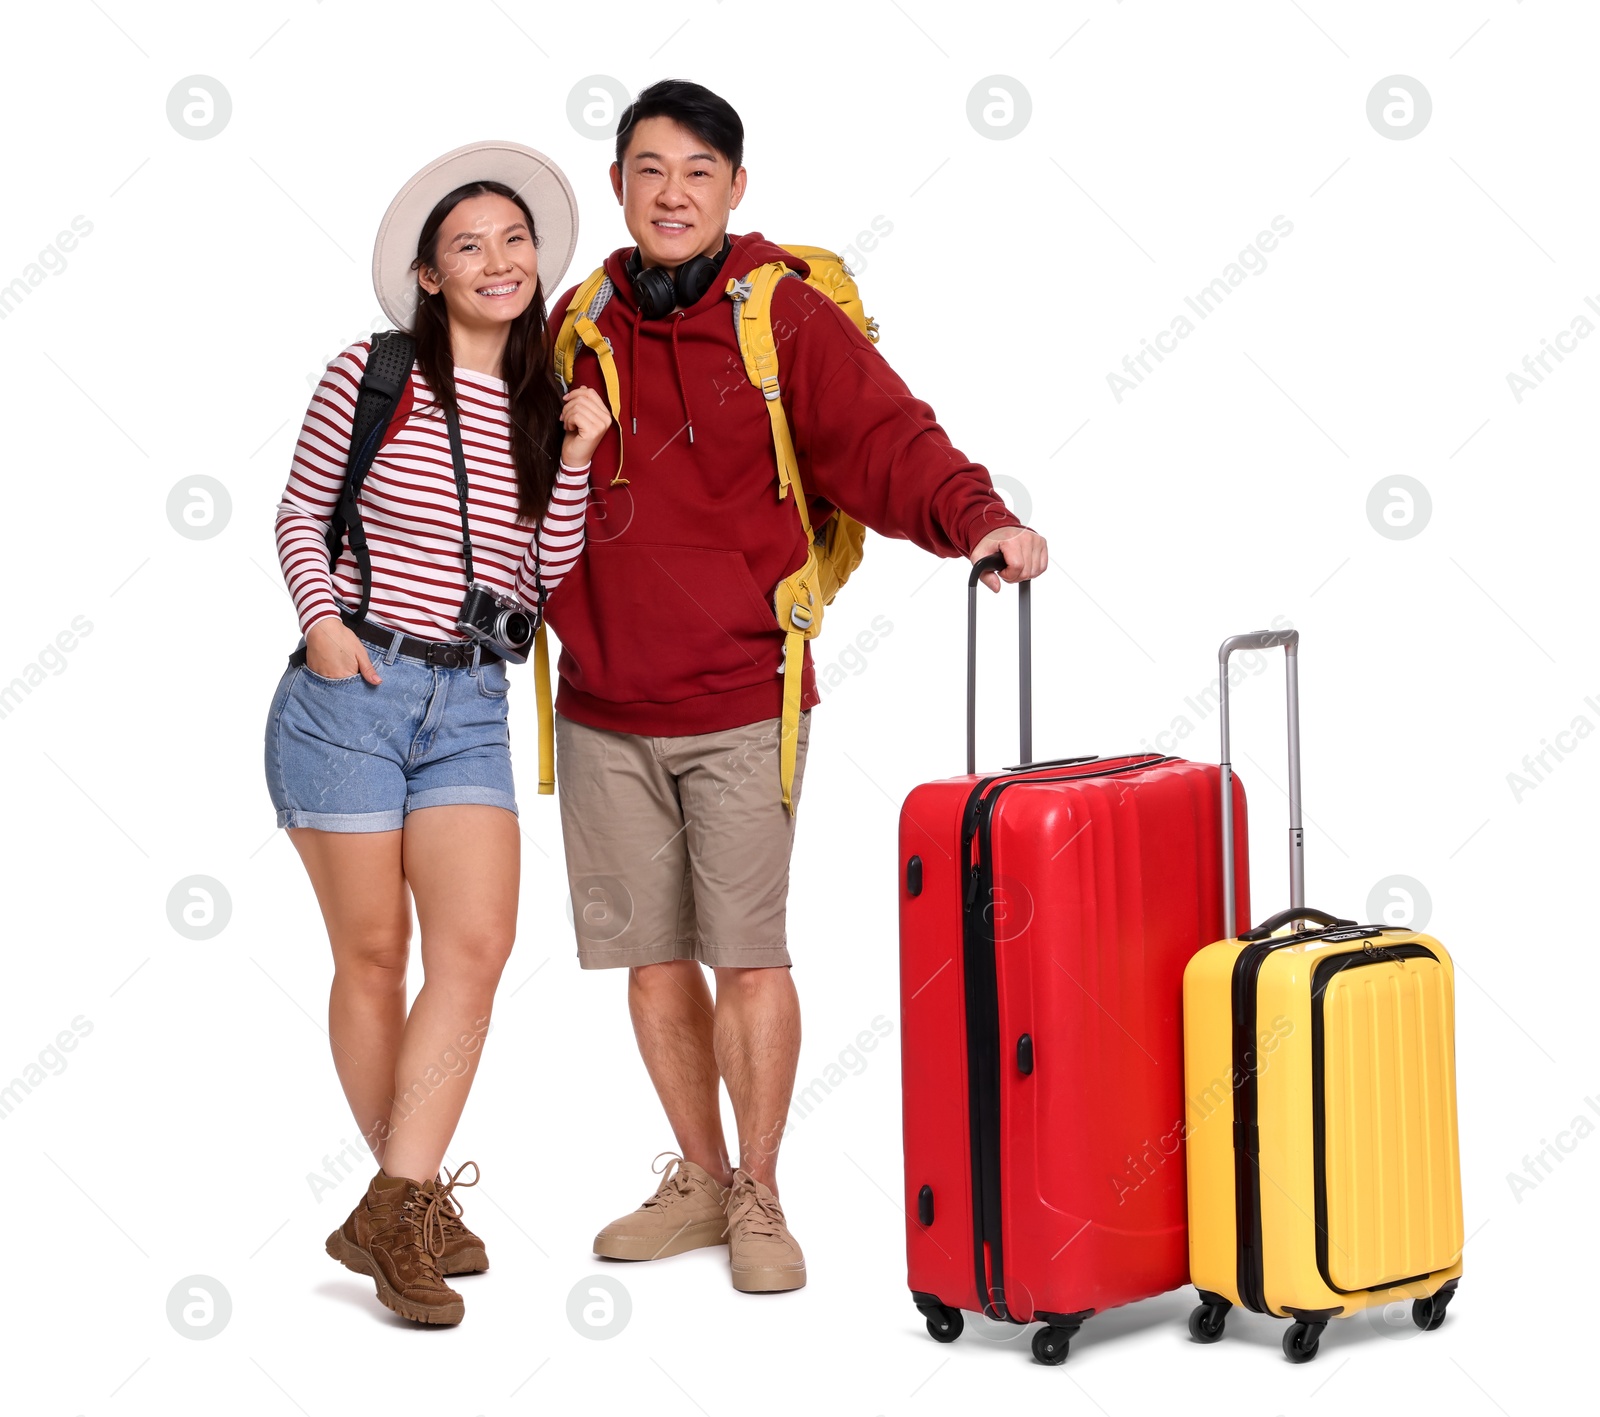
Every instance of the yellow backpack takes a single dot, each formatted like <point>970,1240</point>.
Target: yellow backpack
<point>834,549</point>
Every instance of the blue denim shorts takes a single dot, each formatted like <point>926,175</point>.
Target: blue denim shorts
<point>348,756</point>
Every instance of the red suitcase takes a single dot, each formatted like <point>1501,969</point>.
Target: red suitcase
<point>1046,915</point>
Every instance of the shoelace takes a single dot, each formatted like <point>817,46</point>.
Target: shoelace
<point>762,1215</point>
<point>674,1182</point>
<point>404,1229</point>
<point>450,1208</point>
<point>442,1206</point>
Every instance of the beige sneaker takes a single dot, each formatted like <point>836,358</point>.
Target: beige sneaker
<point>765,1256</point>
<point>685,1213</point>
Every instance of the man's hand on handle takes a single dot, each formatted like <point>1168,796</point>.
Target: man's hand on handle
<point>1025,551</point>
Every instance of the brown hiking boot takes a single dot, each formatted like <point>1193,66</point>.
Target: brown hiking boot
<point>763,1253</point>
<point>685,1213</point>
<point>463,1251</point>
<point>394,1236</point>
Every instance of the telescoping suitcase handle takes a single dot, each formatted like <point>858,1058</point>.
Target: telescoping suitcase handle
<point>997,562</point>
<point>1265,639</point>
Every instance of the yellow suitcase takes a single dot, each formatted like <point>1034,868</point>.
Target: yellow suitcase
<point>1319,1065</point>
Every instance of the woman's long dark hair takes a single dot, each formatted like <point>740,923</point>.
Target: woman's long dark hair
<point>533,394</point>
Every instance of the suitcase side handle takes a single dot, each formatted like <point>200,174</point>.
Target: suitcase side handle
<point>997,562</point>
<point>1289,640</point>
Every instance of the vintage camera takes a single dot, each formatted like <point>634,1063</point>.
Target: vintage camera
<point>497,622</point>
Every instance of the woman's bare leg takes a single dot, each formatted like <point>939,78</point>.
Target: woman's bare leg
<point>463,865</point>
<point>366,906</point>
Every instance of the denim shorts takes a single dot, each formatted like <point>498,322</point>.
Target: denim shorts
<point>348,756</point>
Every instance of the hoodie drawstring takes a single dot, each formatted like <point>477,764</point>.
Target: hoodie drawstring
<point>633,377</point>
<point>683,391</point>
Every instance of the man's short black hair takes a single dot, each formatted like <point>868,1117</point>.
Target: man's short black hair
<point>709,117</point>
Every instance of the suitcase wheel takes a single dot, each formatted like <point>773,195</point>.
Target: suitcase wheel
<point>1300,1341</point>
<point>1427,1314</point>
<point>944,1324</point>
<point>1207,1322</point>
<point>1050,1345</point>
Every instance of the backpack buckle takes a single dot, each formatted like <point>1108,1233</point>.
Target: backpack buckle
<point>769,387</point>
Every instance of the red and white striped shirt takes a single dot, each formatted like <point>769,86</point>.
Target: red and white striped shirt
<point>412,511</point>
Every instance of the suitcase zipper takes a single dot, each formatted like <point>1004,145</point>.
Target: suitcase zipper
<point>983,1025</point>
<point>1246,1139</point>
<point>976,1008</point>
<point>1246,1134</point>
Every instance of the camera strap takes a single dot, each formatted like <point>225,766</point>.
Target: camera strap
<point>460,460</point>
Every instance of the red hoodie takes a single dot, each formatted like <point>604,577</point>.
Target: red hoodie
<point>666,622</point>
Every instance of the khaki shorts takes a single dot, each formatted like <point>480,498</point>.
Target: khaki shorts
<point>678,847</point>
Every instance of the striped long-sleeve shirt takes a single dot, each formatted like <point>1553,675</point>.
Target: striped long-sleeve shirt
<point>412,512</point>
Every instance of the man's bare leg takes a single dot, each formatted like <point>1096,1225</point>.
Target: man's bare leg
<point>757,1041</point>
<point>672,1014</point>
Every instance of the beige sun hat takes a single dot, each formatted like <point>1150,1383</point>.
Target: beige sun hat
<point>531,175</point>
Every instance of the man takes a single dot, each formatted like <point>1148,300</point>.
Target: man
<point>668,716</point>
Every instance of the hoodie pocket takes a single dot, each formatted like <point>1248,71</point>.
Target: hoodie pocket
<point>672,623</point>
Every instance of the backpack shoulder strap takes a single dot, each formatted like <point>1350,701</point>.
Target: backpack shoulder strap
<point>588,300</point>
<point>388,368</point>
<point>801,596</point>
<point>387,373</point>
<point>578,326</point>
<point>795,602</point>
<point>547,713</point>
<point>752,324</point>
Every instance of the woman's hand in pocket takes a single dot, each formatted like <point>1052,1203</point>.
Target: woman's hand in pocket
<point>586,419</point>
<point>334,651</point>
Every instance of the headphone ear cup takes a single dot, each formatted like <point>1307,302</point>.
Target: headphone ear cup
<point>694,279</point>
<point>655,291</point>
<point>659,292</point>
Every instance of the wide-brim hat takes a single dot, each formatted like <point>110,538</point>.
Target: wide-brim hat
<point>531,175</point>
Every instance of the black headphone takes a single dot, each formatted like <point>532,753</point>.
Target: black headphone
<point>660,291</point>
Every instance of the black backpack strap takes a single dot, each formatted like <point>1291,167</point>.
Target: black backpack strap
<point>388,369</point>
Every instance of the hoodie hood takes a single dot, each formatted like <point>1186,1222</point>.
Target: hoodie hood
<point>747,253</point>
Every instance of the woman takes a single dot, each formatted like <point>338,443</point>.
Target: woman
<point>387,751</point>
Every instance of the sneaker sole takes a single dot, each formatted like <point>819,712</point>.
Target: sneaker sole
<point>356,1260</point>
<point>768,1281</point>
<point>641,1247</point>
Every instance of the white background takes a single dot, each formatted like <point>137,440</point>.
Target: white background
<point>180,339</point>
